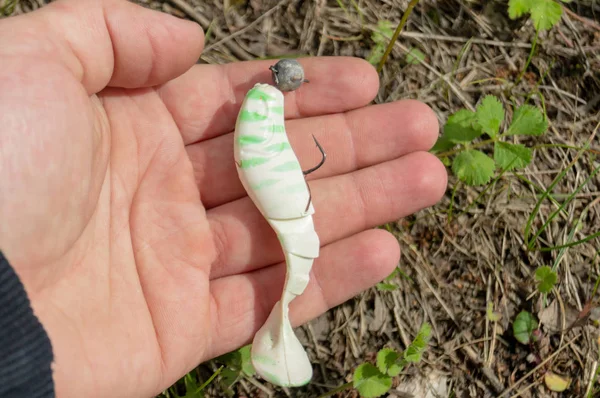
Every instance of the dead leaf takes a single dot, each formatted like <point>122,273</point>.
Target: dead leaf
<point>556,382</point>
<point>551,318</point>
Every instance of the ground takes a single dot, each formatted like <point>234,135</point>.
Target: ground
<point>466,267</point>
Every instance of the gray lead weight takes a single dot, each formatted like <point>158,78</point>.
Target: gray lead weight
<point>288,74</point>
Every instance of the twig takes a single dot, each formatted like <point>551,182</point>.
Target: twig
<point>458,92</point>
<point>311,332</point>
<point>259,385</point>
<point>338,389</point>
<point>532,371</point>
<point>486,370</point>
<point>592,379</point>
<point>495,43</point>
<point>205,23</point>
<point>245,29</point>
<point>584,20</point>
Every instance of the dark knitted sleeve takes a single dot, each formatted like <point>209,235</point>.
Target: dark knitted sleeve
<point>25,349</point>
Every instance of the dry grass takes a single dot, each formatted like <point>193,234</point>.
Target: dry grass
<point>455,263</point>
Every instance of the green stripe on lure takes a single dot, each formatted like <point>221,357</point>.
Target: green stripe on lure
<point>271,174</point>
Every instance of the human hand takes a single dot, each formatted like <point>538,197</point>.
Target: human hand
<point>121,209</point>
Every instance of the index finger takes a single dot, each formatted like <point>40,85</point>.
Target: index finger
<point>205,101</point>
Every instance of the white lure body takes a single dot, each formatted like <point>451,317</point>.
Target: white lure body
<point>270,172</point>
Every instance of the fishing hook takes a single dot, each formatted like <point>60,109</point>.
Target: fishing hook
<point>317,167</point>
<point>324,156</point>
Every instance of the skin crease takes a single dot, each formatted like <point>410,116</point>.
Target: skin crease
<point>121,211</point>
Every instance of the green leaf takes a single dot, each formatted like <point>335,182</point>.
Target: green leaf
<point>386,287</point>
<point>461,127</point>
<point>415,56</point>
<point>229,377</point>
<point>370,382</point>
<point>546,279</point>
<point>545,14</point>
<point>443,144</point>
<point>523,327</point>
<point>489,115</point>
<point>516,8</point>
<point>473,167</point>
<point>190,382</point>
<point>512,156</point>
<point>415,350</point>
<point>528,120</point>
<point>392,274</point>
<point>383,32</point>
<point>387,362</point>
<point>376,54</point>
<point>246,362</point>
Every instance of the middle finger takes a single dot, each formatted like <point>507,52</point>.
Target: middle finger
<point>352,140</point>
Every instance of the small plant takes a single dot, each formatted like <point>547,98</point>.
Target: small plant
<point>544,13</point>
<point>380,37</point>
<point>191,387</point>
<point>473,166</point>
<point>414,56</point>
<point>525,328</point>
<point>374,381</point>
<point>237,364</point>
<point>546,279</point>
<point>526,331</point>
<point>387,285</point>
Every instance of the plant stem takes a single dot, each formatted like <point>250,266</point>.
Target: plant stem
<point>388,50</point>
<point>472,146</point>
<point>210,379</point>
<point>529,58</point>
<point>339,389</point>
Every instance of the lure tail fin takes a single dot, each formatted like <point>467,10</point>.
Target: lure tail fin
<point>277,354</point>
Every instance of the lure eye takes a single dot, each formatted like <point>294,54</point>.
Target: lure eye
<point>288,74</point>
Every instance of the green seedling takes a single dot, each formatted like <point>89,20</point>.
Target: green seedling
<point>190,386</point>
<point>373,381</point>
<point>380,37</point>
<point>544,14</point>
<point>474,167</point>
<point>387,285</point>
<point>414,56</point>
<point>237,366</point>
<point>525,327</point>
<point>546,279</point>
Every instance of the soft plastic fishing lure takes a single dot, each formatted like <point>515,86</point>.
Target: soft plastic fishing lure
<point>274,180</point>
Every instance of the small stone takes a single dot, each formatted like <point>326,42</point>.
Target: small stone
<point>288,74</point>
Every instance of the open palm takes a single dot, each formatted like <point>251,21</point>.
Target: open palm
<point>122,211</point>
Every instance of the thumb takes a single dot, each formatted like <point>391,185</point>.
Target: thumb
<point>106,42</point>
